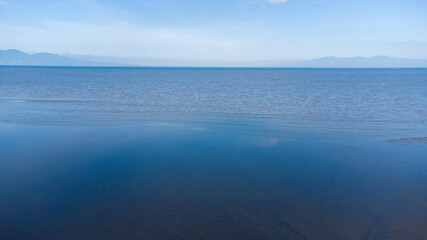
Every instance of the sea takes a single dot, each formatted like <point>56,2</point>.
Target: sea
<point>212,153</point>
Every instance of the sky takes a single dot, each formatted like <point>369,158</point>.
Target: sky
<point>216,30</point>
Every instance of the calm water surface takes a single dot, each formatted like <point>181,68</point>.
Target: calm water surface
<point>116,153</point>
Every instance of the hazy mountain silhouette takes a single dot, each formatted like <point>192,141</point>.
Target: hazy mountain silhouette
<point>16,57</point>
<point>361,62</point>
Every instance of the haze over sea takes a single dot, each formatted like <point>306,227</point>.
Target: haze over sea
<point>212,153</point>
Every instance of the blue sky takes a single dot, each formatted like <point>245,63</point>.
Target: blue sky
<point>217,31</point>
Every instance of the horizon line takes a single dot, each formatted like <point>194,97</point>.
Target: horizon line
<point>195,67</point>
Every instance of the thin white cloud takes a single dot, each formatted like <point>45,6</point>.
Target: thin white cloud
<point>277,1</point>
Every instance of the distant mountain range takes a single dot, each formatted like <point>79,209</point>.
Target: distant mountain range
<point>16,57</point>
<point>361,62</point>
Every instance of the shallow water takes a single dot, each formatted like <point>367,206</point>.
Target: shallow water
<point>212,154</point>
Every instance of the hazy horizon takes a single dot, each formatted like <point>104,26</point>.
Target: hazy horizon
<point>11,57</point>
<point>220,32</point>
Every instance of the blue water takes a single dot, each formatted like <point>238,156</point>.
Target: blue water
<point>295,99</point>
<point>153,153</point>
